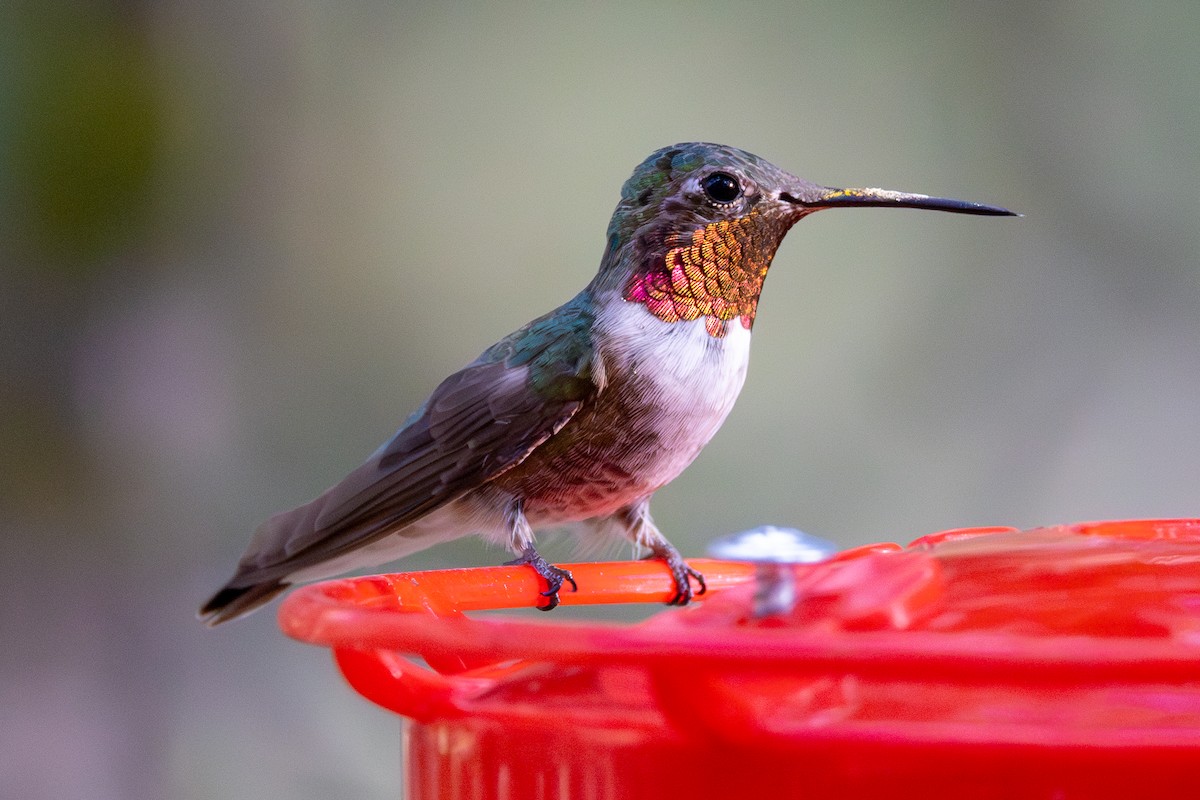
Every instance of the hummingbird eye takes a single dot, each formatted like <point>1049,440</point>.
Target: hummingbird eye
<point>721,187</point>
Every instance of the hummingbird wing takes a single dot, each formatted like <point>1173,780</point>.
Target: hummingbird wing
<point>479,422</point>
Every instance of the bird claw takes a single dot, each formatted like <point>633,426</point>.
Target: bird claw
<point>554,576</point>
<point>682,574</point>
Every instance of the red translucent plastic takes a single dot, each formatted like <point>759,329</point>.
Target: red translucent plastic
<point>1058,662</point>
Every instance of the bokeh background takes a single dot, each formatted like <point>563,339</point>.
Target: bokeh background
<point>239,242</point>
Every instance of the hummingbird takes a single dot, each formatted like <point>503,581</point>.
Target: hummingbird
<point>579,417</point>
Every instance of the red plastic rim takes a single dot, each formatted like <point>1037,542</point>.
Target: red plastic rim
<point>397,612</point>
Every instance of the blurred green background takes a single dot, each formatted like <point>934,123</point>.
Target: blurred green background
<point>240,242</point>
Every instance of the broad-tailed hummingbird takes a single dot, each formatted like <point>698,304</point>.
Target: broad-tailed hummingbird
<point>579,417</point>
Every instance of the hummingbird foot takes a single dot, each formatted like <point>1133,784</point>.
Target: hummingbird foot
<point>640,528</point>
<point>554,576</point>
<point>680,571</point>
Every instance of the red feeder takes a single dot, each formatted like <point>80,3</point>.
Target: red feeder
<point>984,663</point>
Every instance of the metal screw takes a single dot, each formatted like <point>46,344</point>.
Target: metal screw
<point>774,551</point>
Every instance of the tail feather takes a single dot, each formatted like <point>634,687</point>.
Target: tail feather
<point>235,601</point>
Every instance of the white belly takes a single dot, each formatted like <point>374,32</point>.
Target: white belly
<point>694,378</point>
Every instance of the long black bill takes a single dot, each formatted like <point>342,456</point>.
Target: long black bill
<point>885,198</point>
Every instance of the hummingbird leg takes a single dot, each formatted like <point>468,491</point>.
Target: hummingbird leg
<point>555,576</point>
<point>521,537</point>
<point>644,533</point>
<point>680,571</point>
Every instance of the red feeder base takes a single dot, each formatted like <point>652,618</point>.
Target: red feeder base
<point>1052,663</point>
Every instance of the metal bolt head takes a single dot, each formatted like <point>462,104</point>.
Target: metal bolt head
<point>771,544</point>
<point>774,550</point>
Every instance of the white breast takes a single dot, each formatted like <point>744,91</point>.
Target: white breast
<point>695,377</point>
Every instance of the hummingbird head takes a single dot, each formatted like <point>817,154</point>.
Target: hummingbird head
<point>698,224</point>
